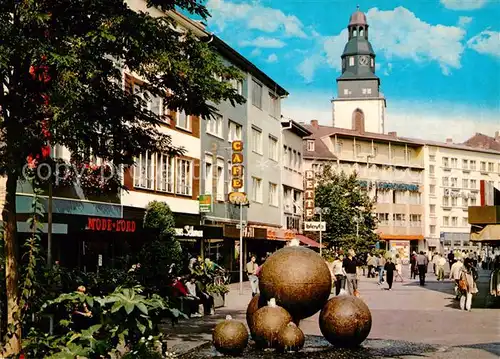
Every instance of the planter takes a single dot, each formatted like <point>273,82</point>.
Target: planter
<point>219,300</point>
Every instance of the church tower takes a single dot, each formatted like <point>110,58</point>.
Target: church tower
<point>359,104</point>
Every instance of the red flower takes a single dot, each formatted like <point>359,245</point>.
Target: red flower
<point>33,71</point>
<point>45,151</point>
<point>44,58</point>
<point>31,162</point>
<point>46,99</point>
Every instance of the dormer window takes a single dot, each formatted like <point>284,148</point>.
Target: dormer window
<point>310,145</point>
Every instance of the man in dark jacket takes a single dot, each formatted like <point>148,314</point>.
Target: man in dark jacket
<point>422,263</point>
<point>451,258</point>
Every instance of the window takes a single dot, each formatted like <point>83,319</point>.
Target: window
<point>256,189</point>
<point>432,158</point>
<point>238,86</point>
<point>274,108</point>
<point>295,160</point>
<point>473,201</point>
<point>431,170</point>
<point>454,201</point>
<point>286,155</point>
<point>369,91</point>
<point>432,189</point>
<point>351,61</point>
<point>465,202</point>
<point>446,221</point>
<point>399,219</point>
<point>465,164</point>
<point>372,62</point>
<point>400,196</point>
<point>446,162</point>
<point>220,179</point>
<point>454,163</point>
<point>184,178</point>
<point>454,221</point>
<point>165,173</point>
<point>273,148</point>
<point>346,92</point>
<point>432,209</point>
<point>491,167</point>
<point>446,201</point>
<point>432,229</point>
<point>415,220</point>
<point>273,194</point>
<point>465,183</point>
<point>310,145</point>
<point>209,174</point>
<point>151,102</point>
<point>473,183</point>
<point>234,132</point>
<point>472,165</point>
<point>383,219</point>
<point>182,120</point>
<point>454,182</point>
<point>483,166</point>
<point>256,140</point>
<point>445,181</point>
<point>144,171</point>
<point>317,168</point>
<point>364,91</point>
<point>256,94</point>
<point>215,125</point>
<point>465,221</point>
<point>288,200</point>
<point>338,147</point>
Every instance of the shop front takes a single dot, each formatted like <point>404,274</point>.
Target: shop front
<point>403,245</point>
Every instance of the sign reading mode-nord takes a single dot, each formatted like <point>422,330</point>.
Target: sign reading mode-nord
<point>315,226</point>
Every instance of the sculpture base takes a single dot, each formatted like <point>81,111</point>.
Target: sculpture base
<point>318,347</point>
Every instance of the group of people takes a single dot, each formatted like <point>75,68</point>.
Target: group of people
<point>191,292</point>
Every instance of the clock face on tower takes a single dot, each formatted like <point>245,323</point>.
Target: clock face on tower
<point>364,60</point>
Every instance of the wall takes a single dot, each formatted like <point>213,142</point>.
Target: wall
<point>259,165</point>
<point>373,109</point>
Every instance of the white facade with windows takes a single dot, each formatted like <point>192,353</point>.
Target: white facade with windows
<point>452,182</point>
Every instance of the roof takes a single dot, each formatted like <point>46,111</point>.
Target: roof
<point>357,18</point>
<point>358,46</point>
<point>455,146</point>
<point>482,141</point>
<point>308,241</point>
<point>296,128</point>
<point>233,56</point>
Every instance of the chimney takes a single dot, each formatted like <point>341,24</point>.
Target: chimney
<point>314,123</point>
<point>497,136</point>
<point>449,140</point>
<point>393,134</point>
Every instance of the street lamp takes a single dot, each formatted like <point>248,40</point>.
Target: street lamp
<point>321,212</point>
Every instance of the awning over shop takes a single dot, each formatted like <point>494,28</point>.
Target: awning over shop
<point>307,241</point>
<point>399,237</point>
<point>487,233</point>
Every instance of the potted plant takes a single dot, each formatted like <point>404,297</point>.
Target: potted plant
<point>218,292</point>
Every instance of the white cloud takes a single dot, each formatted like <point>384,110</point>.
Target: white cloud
<point>388,69</point>
<point>255,52</point>
<point>272,58</point>
<point>486,42</point>
<point>333,47</point>
<point>265,42</point>
<point>464,20</point>
<point>463,4</point>
<point>308,66</point>
<point>254,16</point>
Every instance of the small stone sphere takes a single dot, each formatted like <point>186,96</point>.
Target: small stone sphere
<point>255,304</point>
<point>267,323</point>
<point>230,337</point>
<point>345,321</point>
<point>291,339</point>
<point>298,278</point>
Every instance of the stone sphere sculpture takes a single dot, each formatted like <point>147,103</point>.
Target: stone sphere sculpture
<point>290,339</point>
<point>345,321</point>
<point>298,278</point>
<point>255,304</point>
<point>230,337</point>
<point>268,321</point>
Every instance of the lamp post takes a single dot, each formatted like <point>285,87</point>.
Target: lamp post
<point>321,212</point>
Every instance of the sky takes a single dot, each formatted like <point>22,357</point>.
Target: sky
<point>438,60</point>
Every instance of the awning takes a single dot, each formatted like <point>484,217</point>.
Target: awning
<point>489,232</point>
<point>307,241</point>
<point>408,237</point>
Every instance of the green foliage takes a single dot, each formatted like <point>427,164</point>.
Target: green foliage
<point>157,256</point>
<point>346,200</point>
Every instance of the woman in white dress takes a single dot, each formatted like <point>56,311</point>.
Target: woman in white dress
<point>399,269</point>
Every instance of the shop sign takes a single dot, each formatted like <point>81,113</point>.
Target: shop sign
<point>110,225</point>
<point>315,226</point>
<point>237,165</point>
<point>280,234</point>
<point>309,194</point>
<point>205,203</point>
<point>238,198</point>
<point>231,231</point>
<point>188,231</point>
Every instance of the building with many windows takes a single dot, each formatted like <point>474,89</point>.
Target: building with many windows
<point>390,168</point>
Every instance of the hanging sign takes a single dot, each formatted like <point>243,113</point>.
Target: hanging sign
<point>237,165</point>
<point>205,203</point>
<point>309,194</point>
<point>238,198</point>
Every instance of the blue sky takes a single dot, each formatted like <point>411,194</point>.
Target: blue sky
<point>438,60</point>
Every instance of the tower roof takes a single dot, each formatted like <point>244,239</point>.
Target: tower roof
<point>358,18</point>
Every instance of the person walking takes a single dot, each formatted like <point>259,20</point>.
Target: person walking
<point>455,272</point>
<point>372,265</point>
<point>451,258</point>
<point>338,273</point>
<point>381,265</point>
<point>399,268</point>
<point>440,263</point>
<point>422,263</point>
<point>389,268</point>
<point>413,265</point>
<point>435,260</point>
<point>469,277</point>
<point>252,268</point>
<point>350,267</point>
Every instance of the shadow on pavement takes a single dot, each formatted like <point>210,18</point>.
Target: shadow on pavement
<point>493,348</point>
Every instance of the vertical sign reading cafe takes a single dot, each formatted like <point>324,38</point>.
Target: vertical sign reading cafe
<point>237,165</point>
<point>309,195</point>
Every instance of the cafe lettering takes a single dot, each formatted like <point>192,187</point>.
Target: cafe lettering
<point>237,165</point>
<point>110,225</point>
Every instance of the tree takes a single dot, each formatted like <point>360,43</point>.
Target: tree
<point>348,203</point>
<point>163,251</point>
<point>61,79</point>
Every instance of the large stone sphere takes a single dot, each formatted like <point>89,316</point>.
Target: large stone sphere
<point>290,339</point>
<point>230,337</point>
<point>298,278</point>
<point>345,321</point>
<point>255,304</point>
<point>267,323</point>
